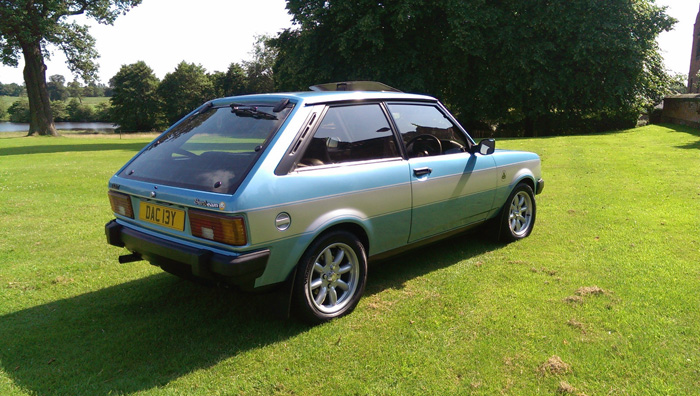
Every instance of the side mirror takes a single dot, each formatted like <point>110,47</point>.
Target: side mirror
<point>485,147</point>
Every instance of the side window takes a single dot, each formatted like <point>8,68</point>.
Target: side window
<point>425,130</point>
<point>351,133</point>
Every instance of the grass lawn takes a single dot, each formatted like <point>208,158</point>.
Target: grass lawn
<point>94,101</point>
<point>602,299</point>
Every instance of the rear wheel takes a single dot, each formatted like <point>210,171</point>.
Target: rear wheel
<point>518,215</point>
<point>330,278</point>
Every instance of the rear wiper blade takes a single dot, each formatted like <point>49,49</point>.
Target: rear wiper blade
<point>251,111</point>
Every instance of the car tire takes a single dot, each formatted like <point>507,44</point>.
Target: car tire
<point>331,277</point>
<point>518,214</point>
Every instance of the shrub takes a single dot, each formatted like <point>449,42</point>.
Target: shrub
<point>79,112</point>
<point>19,111</point>
<point>554,124</point>
<point>655,116</point>
<point>103,112</point>
<point>58,108</point>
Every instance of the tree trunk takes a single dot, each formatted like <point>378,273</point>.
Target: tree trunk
<point>41,116</point>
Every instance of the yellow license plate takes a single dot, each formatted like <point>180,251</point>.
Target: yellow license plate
<point>162,215</point>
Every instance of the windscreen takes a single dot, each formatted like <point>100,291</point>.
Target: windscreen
<point>210,151</point>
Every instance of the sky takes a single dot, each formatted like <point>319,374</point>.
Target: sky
<point>162,33</point>
<point>215,33</point>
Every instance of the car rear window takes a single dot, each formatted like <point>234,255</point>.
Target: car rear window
<point>210,151</point>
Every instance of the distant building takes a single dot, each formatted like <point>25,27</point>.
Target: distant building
<point>693,80</point>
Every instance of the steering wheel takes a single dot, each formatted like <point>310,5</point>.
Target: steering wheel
<point>425,145</point>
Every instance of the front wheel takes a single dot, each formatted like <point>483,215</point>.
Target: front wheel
<point>518,215</point>
<point>330,278</point>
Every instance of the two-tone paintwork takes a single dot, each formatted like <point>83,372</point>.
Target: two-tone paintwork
<point>383,199</point>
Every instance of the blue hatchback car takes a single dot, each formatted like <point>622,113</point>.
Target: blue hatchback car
<point>304,188</point>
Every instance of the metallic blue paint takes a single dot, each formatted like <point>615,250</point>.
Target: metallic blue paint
<point>384,198</point>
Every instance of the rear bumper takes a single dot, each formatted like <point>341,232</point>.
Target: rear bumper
<point>241,270</point>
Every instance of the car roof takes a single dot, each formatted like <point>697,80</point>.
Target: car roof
<point>315,97</point>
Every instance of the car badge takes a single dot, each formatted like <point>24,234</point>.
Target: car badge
<point>207,204</point>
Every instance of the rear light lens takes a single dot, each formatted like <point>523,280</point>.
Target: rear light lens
<point>121,204</point>
<point>216,227</point>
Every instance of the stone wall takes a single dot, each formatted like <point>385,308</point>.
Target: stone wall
<point>682,110</point>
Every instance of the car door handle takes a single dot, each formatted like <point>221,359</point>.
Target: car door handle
<point>422,171</point>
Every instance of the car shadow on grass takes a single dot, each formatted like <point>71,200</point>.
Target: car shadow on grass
<point>134,336</point>
<point>148,332</point>
<point>396,271</point>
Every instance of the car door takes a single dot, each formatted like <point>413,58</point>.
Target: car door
<point>353,167</point>
<point>451,187</point>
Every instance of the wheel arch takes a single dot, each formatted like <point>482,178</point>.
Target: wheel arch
<point>504,190</point>
<point>528,179</point>
<point>349,226</point>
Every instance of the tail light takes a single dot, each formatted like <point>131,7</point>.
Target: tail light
<point>216,227</point>
<point>121,204</point>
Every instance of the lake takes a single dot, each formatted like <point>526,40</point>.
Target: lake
<point>61,126</point>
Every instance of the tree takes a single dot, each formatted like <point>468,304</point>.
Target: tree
<point>75,89</point>
<point>11,89</point>
<point>259,71</point>
<point>30,27</point>
<point>79,112</point>
<point>57,88</point>
<point>59,110</point>
<point>103,112</point>
<point>19,111</point>
<point>184,90</point>
<point>93,90</point>
<point>231,83</point>
<point>531,63</point>
<point>135,103</point>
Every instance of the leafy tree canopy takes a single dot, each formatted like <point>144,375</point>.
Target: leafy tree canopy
<point>508,61</point>
<point>11,89</point>
<point>259,70</point>
<point>57,88</point>
<point>184,89</point>
<point>135,102</point>
<point>230,83</point>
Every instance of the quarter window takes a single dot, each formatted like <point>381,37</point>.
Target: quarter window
<point>426,131</point>
<point>351,133</point>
